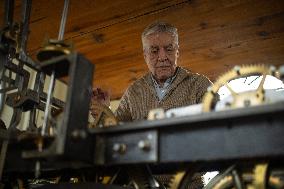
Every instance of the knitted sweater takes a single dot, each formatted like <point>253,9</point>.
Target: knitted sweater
<point>140,97</point>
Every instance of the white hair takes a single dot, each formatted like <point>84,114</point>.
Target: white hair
<point>157,27</point>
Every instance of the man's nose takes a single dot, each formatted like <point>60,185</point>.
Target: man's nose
<point>162,55</point>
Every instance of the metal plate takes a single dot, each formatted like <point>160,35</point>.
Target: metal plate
<point>128,148</point>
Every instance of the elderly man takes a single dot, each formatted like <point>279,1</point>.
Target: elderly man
<point>166,85</point>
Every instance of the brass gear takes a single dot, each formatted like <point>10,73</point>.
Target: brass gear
<point>257,178</point>
<point>176,180</point>
<point>185,179</point>
<point>104,117</point>
<point>54,48</point>
<point>239,99</point>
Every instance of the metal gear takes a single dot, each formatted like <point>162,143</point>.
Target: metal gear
<point>104,117</point>
<point>185,180</point>
<point>244,99</point>
<point>258,178</point>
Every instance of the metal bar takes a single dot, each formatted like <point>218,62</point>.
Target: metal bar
<point>2,98</point>
<point>6,89</point>
<point>2,85</point>
<point>38,87</point>
<point>47,106</point>
<point>63,20</point>
<point>32,121</point>
<point>223,139</point>
<point>16,118</point>
<point>9,13</point>
<point>76,110</point>
<point>6,80</point>
<point>237,180</point>
<point>10,78</point>
<point>26,12</point>
<point>3,153</point>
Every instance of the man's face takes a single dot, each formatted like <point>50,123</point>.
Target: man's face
<point>161,53</point>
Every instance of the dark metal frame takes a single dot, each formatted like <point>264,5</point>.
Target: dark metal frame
<point>241,134</point>
<point>226,137</point>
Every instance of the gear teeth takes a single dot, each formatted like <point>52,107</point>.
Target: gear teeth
<point>176,180</point>
<point>236,72</point>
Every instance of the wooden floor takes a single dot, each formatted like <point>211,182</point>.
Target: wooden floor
<point>214,35</point>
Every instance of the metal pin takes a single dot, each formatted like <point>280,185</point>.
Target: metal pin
<point>119,148</point>
<point>47,106</point>
<point>37,169</point>
<point>144,145</point>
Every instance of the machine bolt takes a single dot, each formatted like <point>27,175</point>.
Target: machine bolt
<point>144,145</point>
<point>247,103</point>
<point>119,148</point>
<point>79,134</point>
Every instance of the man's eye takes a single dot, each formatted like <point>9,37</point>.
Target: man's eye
<point>154,51</point>
<point>169,49</point>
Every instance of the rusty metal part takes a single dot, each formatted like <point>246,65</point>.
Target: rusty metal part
<point>244,99</point>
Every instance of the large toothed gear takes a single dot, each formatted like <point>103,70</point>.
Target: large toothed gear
<point>249,98</point>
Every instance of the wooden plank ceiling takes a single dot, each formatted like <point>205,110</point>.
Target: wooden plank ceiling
<point>214,35</point>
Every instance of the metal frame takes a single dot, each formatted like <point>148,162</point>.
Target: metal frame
<point>254,132</point>
<point>238,135</point>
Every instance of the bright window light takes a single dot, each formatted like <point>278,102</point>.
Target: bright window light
<point>251,83</point>
<point>209,176</point>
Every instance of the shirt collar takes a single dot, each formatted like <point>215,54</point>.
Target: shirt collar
<point>167,83</point>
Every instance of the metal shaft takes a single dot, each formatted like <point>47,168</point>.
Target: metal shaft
<point>63,20</point>
<point>9,13</point>
<point>52,77</point>
<point>47,106</point>
<point>3,153</point>
<point>26,12</point>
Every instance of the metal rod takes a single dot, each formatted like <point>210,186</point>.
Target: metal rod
<point>26,12</point>
<point>47,105</point>
<point>52,78</point>
<point>3,153</point>
<point>2,97</point>
<point>237,180</point>
<point>9,13</point>
<point>63,20</point>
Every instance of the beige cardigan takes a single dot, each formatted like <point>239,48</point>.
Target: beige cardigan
<point>140,97</point>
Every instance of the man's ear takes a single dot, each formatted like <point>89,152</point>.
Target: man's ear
<point>177,53</point>
<point>144,55</point>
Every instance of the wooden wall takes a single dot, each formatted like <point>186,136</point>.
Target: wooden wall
<point>214,35</point>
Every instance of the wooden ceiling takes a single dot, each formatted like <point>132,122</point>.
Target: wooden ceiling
<point>214,35</point>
